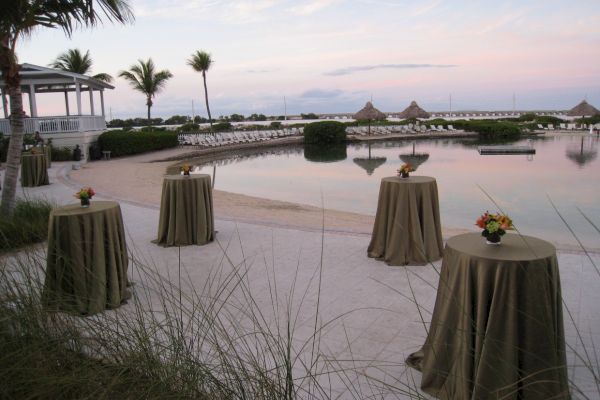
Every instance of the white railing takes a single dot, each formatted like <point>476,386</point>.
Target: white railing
<point>50,125</point>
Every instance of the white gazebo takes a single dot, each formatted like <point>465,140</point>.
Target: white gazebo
<point>65,130</point>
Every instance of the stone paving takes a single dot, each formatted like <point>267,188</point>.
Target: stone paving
<point>372,315</point>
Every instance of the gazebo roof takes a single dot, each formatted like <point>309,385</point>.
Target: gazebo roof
<point>54,80</point>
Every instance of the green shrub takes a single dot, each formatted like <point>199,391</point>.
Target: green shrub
<point>27,225</point>
<point>589,120</point>
<point>489,129</point>
<point>275,124</point>
<point>222,127</point>
<point>61,153</point>
<point>325,132</point>
<point>189,127</point>
<point>121,143</point>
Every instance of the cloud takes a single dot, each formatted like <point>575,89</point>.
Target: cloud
<point>320,94</point>
<point>258,71</point>
<point>351,70</point>
<point>313,6</point>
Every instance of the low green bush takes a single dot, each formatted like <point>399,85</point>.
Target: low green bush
<point>489,129</point>
<point>189,127</point>
<point>27,225</point>
<point>589,120</point>
<point>275,125</point>
<point>325,132</point>
<point>61,154</point>
<point>121,143</point>
<point>222,127</point>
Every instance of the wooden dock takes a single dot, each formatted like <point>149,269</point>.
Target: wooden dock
<point>488,150</point>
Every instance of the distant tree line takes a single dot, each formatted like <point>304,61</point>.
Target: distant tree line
<point>186,119</point>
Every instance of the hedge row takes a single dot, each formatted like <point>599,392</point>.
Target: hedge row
<point>122,143</point>
<point>325,132</point>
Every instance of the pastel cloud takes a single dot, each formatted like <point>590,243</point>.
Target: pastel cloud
<point>351,70</point>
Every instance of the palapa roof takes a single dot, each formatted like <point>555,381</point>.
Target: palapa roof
<point>369,112</point>
<point>582,109</point>
<point>414,111</point>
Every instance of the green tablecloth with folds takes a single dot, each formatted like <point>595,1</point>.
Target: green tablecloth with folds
<point>497,328</point>
<point>34,170</point>
<point>407,227</point>
<point>186,211</point>
<point>87,258</point>
<point>47,150</point>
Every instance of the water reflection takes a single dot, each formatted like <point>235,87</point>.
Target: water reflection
<point>325,153</point>
<point>414,159</point>
<point>234,157</point>
<point>520,187</point>
<point>583,153</point>
<point>369,164</point>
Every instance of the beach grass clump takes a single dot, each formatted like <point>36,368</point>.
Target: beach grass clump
<point>325,132</point>
<point>123,143</point>
<point>169,342</point>
<point>27,225</point>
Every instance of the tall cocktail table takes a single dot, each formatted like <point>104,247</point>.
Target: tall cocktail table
<point>407,227</point>
<point>186,211</point>
<point>87,261</point>
<point>497,329</point>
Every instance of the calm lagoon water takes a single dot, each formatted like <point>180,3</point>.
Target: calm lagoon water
<point>565,170</point>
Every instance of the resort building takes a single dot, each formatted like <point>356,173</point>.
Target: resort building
<point>72,128</point>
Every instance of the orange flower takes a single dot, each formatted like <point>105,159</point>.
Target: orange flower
<point>85,193</point>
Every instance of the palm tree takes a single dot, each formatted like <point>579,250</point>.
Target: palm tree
<point>143,78</point>
<point>201,62</point>
<point>18,20</point>
<point>73,60</point>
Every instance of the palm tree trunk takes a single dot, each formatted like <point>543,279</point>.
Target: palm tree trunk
<point>206,99</point>
<point>10,75</point>
<point>149,104</point>
<point>13,157</point>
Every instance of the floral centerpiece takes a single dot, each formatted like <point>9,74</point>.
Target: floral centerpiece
<point>405,169</point>
<point>186,168</point>
<point>494,226</point>
<point>85,195</point>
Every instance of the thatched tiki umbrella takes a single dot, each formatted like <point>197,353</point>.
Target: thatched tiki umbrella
<point>583,109</point>
<point>413,111</point>
<point>369,113</point>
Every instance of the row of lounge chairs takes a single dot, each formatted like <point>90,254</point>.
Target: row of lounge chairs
<point>399,129</point>
<point>568,127</point>
<point>227,138</point>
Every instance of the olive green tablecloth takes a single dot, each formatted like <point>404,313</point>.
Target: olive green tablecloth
<point>34,170</point>
<point>186,211</point>
<point>87,258</point>
<point>407,227</point>
<point>48,153</point>
<point>497,329</point>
